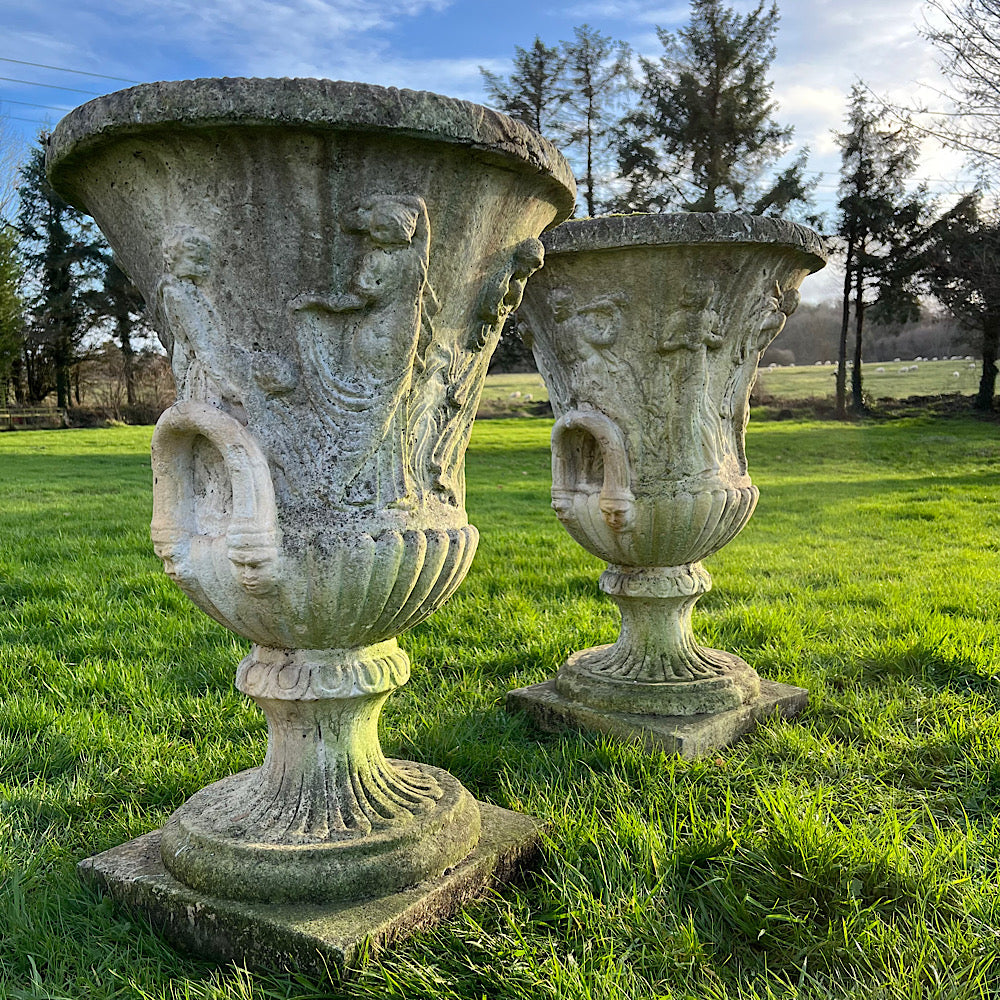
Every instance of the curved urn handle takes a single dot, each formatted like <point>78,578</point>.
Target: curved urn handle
<point>617,502</point>
<point>252,537</point>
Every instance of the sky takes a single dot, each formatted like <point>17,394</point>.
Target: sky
<point>823,46</point>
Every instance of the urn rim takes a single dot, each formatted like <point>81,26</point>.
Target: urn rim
<point>642,230</point>
<point>307,102</point>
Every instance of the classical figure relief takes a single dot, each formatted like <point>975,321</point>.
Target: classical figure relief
<point>695,324</point>
<point>466,369</point>
<point>766,323</point>
<point>689,339</point>
<point>189,327</point>
<point>358,349</point>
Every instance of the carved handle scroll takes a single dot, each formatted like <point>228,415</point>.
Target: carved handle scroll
<point>617,502</point>
<point>252,535</point>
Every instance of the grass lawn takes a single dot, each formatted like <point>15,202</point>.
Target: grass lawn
<point>881,379</point>
<point>854,852</point>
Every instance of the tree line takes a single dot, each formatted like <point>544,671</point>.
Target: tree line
<point>694,128</point>
<point>697,129</point>
<point>63,295</point>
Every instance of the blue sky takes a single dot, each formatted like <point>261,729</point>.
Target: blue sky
<point>823,46</point>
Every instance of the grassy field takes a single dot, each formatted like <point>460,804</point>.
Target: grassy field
<point>882,379</point>
<point>854,852</point>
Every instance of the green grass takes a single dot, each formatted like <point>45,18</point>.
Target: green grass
<point>503,387</point>
<point>853,852</point>
<point>802,382</point>
<point>932,378</point>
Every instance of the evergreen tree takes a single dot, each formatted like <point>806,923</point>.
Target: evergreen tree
<point>597,77</point>
<point>962,269</point>
<point>119,301</point>
<point>11,308</point>
<point>535,91</point>
<point>62,253</point>
<point>703,136</point>
<point>881,227</point>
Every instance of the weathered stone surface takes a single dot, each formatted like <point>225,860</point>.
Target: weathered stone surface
<point>686,735</point>
<point>307,936</point>
<point>647,331</point>
<point>329,266</point>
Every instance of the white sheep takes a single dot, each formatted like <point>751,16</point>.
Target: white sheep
<point>879,371</point>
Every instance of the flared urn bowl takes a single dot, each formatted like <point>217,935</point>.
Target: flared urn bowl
<point>328,266</point>
<point>647,330</point>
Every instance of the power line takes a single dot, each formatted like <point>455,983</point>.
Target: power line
<point>31,104</point>
<point>62,69</point>
<point>51,86</point>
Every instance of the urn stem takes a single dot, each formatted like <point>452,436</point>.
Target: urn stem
<point>657,666</point>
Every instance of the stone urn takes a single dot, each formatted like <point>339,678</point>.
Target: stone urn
<point>647,330</point>
<point>329,266</point>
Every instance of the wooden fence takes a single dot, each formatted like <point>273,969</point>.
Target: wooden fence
<point>26,419</point>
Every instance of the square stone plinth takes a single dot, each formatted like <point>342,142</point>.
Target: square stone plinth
<point>304,936</point>
<point>687,735</point>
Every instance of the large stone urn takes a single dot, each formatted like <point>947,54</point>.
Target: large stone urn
<point>647,330</point>
<point>329,266</point>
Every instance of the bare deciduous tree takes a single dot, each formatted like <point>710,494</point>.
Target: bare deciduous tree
<point>966,33</point>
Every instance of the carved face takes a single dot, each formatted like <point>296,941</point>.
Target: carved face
<point>189,256</point>
<point>255,568</point>
<point>174,556</point>
<point>393,223</point>
<point>618,513</point>
<point>562,504</point>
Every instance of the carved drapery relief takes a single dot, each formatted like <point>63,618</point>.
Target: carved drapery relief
<point>357,350</point>
<point>453,374</point>
<point>765,322</point>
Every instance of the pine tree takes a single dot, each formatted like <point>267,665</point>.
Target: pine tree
<point>703,136</point>
<point>881,227</point>
<point>62,253</point>
<point>597,78</point>
<point>118,300</point>
<point>535,92</point>
<point>11,307</point>
<point>962,269</point>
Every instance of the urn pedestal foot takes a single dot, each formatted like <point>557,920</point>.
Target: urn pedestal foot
<point>686,735</point>
<point>309,937</point>
<point>657,667</point>
<point>326,817</point>
<point>656,684</point>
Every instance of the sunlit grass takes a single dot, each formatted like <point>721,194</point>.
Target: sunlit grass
<point>880,379</point>
<point>853,852</point>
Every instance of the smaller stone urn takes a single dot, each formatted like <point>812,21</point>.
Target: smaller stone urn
<point>647,330</point>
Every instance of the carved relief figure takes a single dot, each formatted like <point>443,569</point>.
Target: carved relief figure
<point>592,329</point>
<point>776,307</point>
<point>694,327</point>
<point>358,348</point>
<point>468,364</point>
<point>189,327</point>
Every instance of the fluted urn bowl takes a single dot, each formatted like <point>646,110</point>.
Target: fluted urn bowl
<point>647,330</point>
<point>329,266</point>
